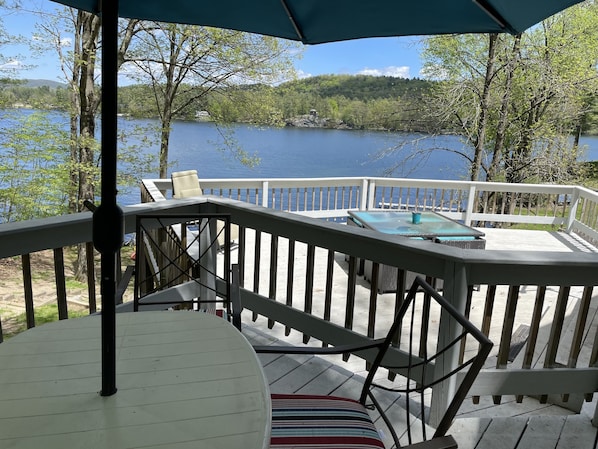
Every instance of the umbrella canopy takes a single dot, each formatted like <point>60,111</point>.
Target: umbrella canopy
<point>319,21</point>
<point>308,21</point>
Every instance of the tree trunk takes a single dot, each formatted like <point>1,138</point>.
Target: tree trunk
<point>483,118</point>
<point>503,119</point>
<point>89,26</point>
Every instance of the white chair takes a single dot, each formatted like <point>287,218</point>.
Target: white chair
<point>185,184</point>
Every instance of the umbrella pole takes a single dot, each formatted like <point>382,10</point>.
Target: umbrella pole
<point>108,224</point>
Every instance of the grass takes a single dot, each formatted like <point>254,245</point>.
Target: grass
<point>43,314</point>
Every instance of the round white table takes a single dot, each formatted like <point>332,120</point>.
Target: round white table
<point>184,379</point>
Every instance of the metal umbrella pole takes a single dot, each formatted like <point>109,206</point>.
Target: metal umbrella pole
<point>108,222</point>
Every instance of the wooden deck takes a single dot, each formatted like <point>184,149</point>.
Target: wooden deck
<point>509,425</point>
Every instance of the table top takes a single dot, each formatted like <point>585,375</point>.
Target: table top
<point>431,225</point>
<point>184,379</point>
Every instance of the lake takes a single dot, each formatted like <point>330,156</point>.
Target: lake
<point>299,152</point>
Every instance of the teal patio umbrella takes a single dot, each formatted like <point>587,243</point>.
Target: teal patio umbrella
<point>308,21</point>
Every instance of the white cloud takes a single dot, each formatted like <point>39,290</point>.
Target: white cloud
<point>12,65</point>
<point>400,72</point>
<point>66,42</point>
<point>301,74</point>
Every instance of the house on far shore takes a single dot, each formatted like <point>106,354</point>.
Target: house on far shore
<point>202,116</point>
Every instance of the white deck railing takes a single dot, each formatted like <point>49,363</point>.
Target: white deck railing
<point>294,242</point>
<point>571,208</point>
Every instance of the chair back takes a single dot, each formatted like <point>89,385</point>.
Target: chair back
<point>185,184</point>
<point>421,367</point>
<point>180,264</point>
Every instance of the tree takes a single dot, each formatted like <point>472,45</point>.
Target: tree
<point>34,167</point>
<point>185,63</point>
<point>517,99</point>
<point>78,65</point>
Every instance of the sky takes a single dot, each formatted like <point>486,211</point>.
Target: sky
<point>377,56</point>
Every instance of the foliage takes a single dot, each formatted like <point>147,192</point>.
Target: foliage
<point>519,99</point>
<point>184,63</point>
<point>34,167</point>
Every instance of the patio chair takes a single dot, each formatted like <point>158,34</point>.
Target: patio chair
<point>310,421</point>
<point>179,265</point>
<point>185,184</point>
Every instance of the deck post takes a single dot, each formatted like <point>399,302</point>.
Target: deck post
<point>371,194</point>
<point>455,292</point>
<point>363,199</point>
<point>266,193</point>
<point>572,210</point>
<point>471,202</point>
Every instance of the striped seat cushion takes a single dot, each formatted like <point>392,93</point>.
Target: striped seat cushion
<point>307,421</point>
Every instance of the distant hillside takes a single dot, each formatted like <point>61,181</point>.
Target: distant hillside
<point>359,87</point>
<point>38,83</point>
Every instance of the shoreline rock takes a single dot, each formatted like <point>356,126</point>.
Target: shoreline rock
<point>313,121</point>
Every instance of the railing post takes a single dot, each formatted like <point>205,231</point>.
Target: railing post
<point>455,292</point>
<point>473,191</point>
<point>265,193</point>
<point>371,194</point>
<point>572,210</point>
<point>364,194</point>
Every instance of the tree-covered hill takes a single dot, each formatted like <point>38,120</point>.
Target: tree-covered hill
<point>359,87</point>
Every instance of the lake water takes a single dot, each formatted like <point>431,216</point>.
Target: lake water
<point>297,153</point>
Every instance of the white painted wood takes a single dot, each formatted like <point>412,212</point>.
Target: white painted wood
<point>577,433</point>
<point>182,377</point>
<point>542,432</point>
<point>503,433</point>
<point>468,431</point>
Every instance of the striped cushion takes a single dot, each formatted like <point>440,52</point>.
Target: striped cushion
<point>307,421</point>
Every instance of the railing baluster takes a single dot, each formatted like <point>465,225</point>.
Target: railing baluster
<point>556,329</point>
<point>328,293</point>
<point>507,331</point>
<point>273,272</point>
<point>582,316</point>
<point>487,319</point>
<point>557,326</point>
<point>309,284</point>
<point>241,254</point>
<point>256,266</point>
<point>28,287</point>
<point>63,313</point>
<point>533,333</point>
<point>373,299</point>
<point>91,277</point>
<point>350,305</point>
<point>576,344</point>
<point>467,314</point>
<point>290,277</point>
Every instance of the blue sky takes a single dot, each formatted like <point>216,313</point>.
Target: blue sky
<point>376,56</point>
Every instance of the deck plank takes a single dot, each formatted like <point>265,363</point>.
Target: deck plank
<point>578,433</point>
<point>468,432</point>
<point>542,432</point>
